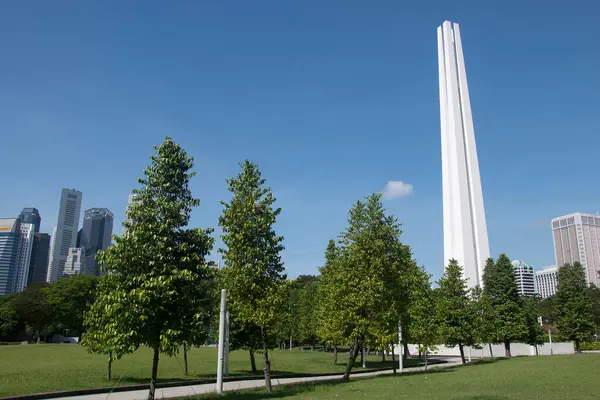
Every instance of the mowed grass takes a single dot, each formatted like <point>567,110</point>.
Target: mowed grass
<point>542,377</point>
<point>27,369</point>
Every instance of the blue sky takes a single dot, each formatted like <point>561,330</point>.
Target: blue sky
<point>332,99</point>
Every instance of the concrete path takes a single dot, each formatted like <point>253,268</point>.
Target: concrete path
<point>191,390</point>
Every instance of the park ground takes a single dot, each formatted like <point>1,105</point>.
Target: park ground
<point>40,368</point>
<point>542,377</point>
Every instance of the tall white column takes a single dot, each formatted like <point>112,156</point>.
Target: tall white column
<point>465,230</point>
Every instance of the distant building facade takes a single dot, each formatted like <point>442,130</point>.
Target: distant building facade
<point>525,277</point>
<point>75,264</point>
<point>577,239</point>
<point>38,267</point>
<point>546,280</point>
<point>131,200</point>
<point>10,234</point>
<point>31,215</point>
<point>25,247</point>
<point>95,236</point>
<point>65,234</point>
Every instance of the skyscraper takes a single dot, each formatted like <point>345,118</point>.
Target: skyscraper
<point>95,235</point>
<point>65,235</point>
<point>31,215</point>
<point>132,199</point>
<point>525,278</point>
<point>24,250</point>
<point>38,267</point>
<point>465,230</point>
<point>546,281</point>
<point>76,263</point>
<point>10,234</point>
<point>577,238</point>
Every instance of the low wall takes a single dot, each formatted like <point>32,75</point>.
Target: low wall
<point>516,349</point>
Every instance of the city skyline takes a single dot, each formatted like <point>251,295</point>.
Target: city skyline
<point>333,104</point>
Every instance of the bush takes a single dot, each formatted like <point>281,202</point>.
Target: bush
<point>590,346</point>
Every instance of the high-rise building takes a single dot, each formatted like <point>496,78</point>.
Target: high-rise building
<point>465,229</point>
<point>75,264</point>
<point>65,235</point>
<point>10,235</point>
<point>525,278</point>
<point>38,267</point>
<point>31,215</point>
<point>21,269</point>
<point>132,199</point>
<point>577,238</point>
<point>95,235</point>
<point>546,280</point>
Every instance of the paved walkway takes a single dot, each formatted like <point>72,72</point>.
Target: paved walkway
<point>191,390</point>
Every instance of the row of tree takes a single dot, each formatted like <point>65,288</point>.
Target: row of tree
<point>44,309</point>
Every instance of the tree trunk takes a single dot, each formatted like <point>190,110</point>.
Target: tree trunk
<point>507,348</point>
<point>351,360</point>
<point>393,360</point>
<point>362,356</point>
<point>383,356</point>
<point>291,343</point>
<point>185,365</point>
<point>406,352</point>
<point>577,346</point>
<point>462,353</point>
<point>536,350</point>
<point>491,353</point>
<point>109,370</point>
<point>154,373</point>
<point>252,361</point>
<point>334,355</point>
<point>267,367</point>
<point>425,355</point>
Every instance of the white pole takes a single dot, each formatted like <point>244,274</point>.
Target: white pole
<point>221,342</point>
<point>550,337</point>
<point>364,358</point>
<point>226,350</point>
<point>401,352</point>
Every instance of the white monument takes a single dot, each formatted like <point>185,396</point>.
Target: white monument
<point>465,231</point>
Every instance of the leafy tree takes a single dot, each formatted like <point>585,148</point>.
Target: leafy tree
<point>454,309</point>
<point>535,334</point>
<point>307,307</point>
<point>366,273</point>
<point>573,305</point>
<point>331,322</point>
<point>500,289</point>
<point>158,267</point>
<point>34,310</point>
<point>594,294</point>
<point>69,298</point>
<point>424,326</point>
<point>9,319</point>
<point>254,273</point>
<point>286,327</point>
<point>483,317</point>
<point>110,327</point>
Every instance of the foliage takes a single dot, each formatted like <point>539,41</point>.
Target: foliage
<point>254,273</point>
<point>424,326</point>
<point>158,268</point>
<point>590,346</point>
<point>34,310</point>
<point>500,289</point>
<point>9,319</point>
<point>454,310</point>
<point>534,333</point>
<point>573,305</point>
<point>69,298</point>
<point>307,312</point>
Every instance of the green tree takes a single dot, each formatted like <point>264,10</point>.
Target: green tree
<point>535,334</point>
<point>573,305</point>
<point>454,310</point>
<point>158,266</point>
<point>483,318</point>
<point>594,294</point>
<point>331,322</point>
<point>500,289</point>
<point>307,310</point>
<point>69,299</point>
<point>254,273</point>
<point>9,319</point>
<point>424,326</point>
<point>34,310</point>
<point>110,327</point>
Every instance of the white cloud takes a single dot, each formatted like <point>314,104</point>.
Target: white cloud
<point>396,189</point>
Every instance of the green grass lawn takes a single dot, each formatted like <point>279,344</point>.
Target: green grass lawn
<point>41,368</point>
<point>543,377</point>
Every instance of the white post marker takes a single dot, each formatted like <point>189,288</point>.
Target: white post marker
<point>221,342</point>
<point>401,352</point>
<point>469,353</point>
<point>550,338</point>
<point>226,350</point>
<point>364,358</point>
